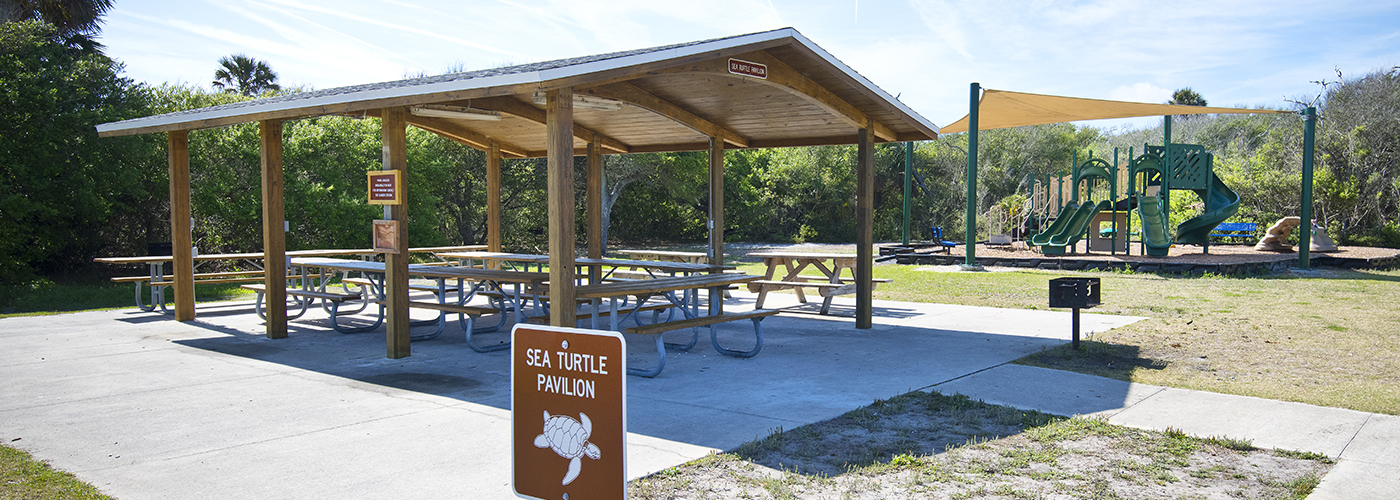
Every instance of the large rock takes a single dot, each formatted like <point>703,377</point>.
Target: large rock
<point>1320,241</point>
<point>1277,238</point>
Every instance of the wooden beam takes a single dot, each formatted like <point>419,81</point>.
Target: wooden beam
<point>395,142</point>
<point>461,133</point>
<point>518,108</point>
<point>783,76</point>
<point>180,240</point>
<point>274,238</point>
<point>493,197</point>
<point>559,141</point>
<point>627,92</point>
<point>865,227</point>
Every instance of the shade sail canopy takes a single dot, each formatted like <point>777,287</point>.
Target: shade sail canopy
<point>1006,109</point>
<point>769,89</point>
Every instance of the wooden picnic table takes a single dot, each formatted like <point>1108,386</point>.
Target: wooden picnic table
<point>829,284</point>
<point>688,304</point>
<point>667,255</point>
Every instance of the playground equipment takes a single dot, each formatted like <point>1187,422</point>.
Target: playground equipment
<point>1072,223</point>
<point>1276,239</point>
<point>1150,179</point>
<point>1190,167</point>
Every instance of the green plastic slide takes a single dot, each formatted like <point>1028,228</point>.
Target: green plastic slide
<point>1073,229</point>
<point>1044,237</point>
<point>1221,203</point>
<point>1154,225</point>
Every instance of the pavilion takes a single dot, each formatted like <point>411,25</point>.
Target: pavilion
<point>761,90</point>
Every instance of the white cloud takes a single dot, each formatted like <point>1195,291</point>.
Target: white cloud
<point>1140,92</point>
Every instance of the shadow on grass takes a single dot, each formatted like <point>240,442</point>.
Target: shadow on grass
<point>913,424</point>
<point>1115,361</point>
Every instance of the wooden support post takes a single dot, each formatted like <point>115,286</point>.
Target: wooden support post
<point>395,142</point>
<point>180,240</point>
<point>593,197</point>
<point>274,238</point>
<point>493,197</point>
<point>716,249</point>
<point>865,227</point>
<point>559,144</point>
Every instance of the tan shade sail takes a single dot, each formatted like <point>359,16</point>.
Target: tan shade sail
<point>1005,109</point>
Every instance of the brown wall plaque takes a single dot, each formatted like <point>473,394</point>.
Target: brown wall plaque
<point>385,187</point>
<point>386,236</point>
<point>568,413</point>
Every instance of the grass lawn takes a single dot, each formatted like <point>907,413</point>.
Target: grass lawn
<point>1323,337</point>
<point>23,478</point>
<point>96,293</point>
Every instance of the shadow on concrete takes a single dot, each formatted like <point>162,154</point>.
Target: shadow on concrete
<point>810,370</point>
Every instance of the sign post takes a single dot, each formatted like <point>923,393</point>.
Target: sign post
<point>568,413</point>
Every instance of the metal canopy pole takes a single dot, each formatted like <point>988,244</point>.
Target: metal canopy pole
<point>1305,239</point>
<point>908,185</point>
<point>970,249</point>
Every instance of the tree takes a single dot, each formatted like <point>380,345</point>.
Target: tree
<point>66,193</point>
<point>76,21</point>
<point>1187,97</point>
<point>244,75</point>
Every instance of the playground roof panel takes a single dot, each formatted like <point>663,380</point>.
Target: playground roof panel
<point>1006,109</point>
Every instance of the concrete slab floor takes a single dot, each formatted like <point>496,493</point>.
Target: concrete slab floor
<point>146,407</point>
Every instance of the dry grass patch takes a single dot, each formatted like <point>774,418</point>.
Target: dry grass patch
<point>927,445</point>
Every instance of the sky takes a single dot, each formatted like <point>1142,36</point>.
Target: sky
<point>1234,53</point>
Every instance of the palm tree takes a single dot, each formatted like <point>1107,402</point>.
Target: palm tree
<point>77,21</point>
<point>244,75</point>
<point>1187,97</point>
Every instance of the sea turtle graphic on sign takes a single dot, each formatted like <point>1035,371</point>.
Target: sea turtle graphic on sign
<point>568,438</point>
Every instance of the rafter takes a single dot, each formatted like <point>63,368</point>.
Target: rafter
<point>455,131</point>
<point>627,92</point>
<point>516,107</point>
<point>783,76</point>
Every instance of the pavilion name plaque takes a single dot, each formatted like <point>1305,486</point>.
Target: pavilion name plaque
<point>748,68</point>
<point>568,413</point>
<point>385,187</point>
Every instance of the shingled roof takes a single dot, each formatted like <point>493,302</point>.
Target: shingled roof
<point>819,99</point>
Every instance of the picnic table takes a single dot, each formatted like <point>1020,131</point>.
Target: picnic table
<point>470,281</point>
<point>667,255</point>
<point>791,264</point>
<point>688,303</point>
<point>158,281</point>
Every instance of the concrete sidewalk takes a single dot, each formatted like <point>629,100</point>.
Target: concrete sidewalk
<point>145,407</point>
<point>1365,445</point>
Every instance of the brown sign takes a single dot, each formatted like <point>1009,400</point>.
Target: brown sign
<point>746,68</point>
<point>386,187</point>
<point>386,236</point>
<point>568,413</point>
